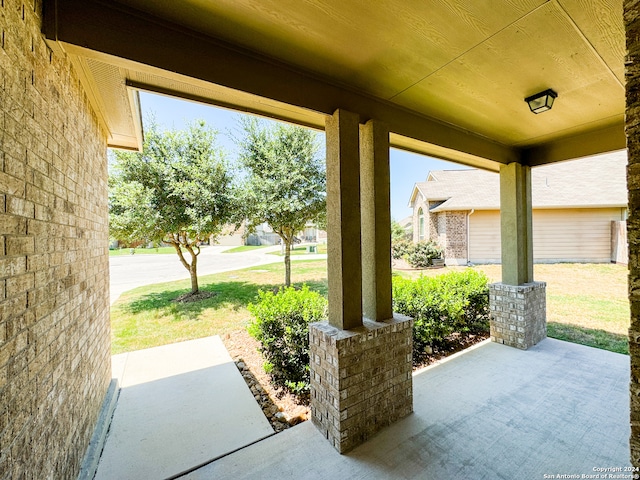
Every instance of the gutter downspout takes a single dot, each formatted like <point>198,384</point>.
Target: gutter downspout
<point>468,235</point>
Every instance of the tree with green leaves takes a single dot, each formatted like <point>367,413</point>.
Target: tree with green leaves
<point>397,232</point>
<point>178,190</point>
<point>286,180</point>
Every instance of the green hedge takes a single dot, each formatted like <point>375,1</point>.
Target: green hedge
<point>443,305</point>
<point>440,306</point>
<point>281,325</point>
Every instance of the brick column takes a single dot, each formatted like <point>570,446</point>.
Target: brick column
<point>518,304</point>
<point>632,72</point>
<point>360,379</point>
<point>518,314</point>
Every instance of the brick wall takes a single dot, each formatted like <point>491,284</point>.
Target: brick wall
<point>449,230</point>
<point>433,222</point>
<point>360,379</point>
<point>632,73</point>
<point>518,314</point>
<point>456,227</point>
<point>54,309</point>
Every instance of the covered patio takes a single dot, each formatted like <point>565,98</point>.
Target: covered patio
<point>447,79</point>
<point>491,412</point>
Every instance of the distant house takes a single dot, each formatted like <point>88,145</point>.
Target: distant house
<point>407,225</point>
<point>579,209</point>
<point>230,236</point>
<point>263,234</point>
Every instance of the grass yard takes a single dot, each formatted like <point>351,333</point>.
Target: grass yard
<point>245,248</point>
<point>142,251</point>
<point>146,316</point>
<point>586,303</point>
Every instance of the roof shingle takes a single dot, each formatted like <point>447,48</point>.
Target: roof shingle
<point>598,181</point>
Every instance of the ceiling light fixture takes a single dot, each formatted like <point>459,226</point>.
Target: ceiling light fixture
<point>541,102</point>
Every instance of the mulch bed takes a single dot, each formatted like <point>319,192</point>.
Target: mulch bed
<point>194,297</point>
<point>282,409</point>
<point>453,344</point>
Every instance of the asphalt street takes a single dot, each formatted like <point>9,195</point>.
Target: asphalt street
<point>131,271</point>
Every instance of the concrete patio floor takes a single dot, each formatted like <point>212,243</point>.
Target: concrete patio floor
<point>493,412</point>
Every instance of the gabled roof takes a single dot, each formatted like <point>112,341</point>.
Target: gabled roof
<point>406,222</point>
<point>598,181</point>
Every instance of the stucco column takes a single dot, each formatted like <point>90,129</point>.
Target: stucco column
<point>632,73</point>
<point>518,304</point>
<point>376,221</point>
<point>344,254</point>
<point>516,228</point>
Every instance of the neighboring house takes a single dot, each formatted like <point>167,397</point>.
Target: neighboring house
<point>576,207</point>
<point>230,236</point>
<point>312,234</point>
<point>264,235</point>
<point>407,225</point>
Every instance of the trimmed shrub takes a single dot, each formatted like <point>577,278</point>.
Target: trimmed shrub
<point>422,254</point>
<point>443,305</point>
<point>400,249</point>
<point>418,255</point>
<point>281,325</point>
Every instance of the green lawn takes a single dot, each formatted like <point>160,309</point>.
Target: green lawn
<point>302,250</point>
<point>586,304</point>
<point>245,248</point>
<point>142,251</point>
<point>146,316</point>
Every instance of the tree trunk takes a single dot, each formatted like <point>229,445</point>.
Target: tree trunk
<point>191,268</point>
<point>287,264</point>
<point>193,273</point>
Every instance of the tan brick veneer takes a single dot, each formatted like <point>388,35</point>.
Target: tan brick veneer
<point>360,379</point>
<point>632,73</point>
<point>54,308</point>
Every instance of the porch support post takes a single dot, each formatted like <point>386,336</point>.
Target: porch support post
<point>518,304</point>
<point>375,183</point>
<point>360,369</point>
<point>516,224</point>
<point>344,254</point>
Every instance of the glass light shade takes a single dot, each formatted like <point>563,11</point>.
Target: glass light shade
<point>541,102</point>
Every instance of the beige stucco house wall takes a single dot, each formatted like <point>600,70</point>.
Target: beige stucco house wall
<point>572,212</point>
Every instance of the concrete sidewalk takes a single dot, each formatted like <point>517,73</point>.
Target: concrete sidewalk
<point>493,412</point>
<point>180,406</point>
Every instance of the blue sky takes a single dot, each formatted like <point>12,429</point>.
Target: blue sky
<point>406,168</point>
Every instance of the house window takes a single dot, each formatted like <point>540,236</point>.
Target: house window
<point>420,225</point>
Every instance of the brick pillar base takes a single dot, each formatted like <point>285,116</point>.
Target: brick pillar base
<point>518,314</point>
<point>360,379</point>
